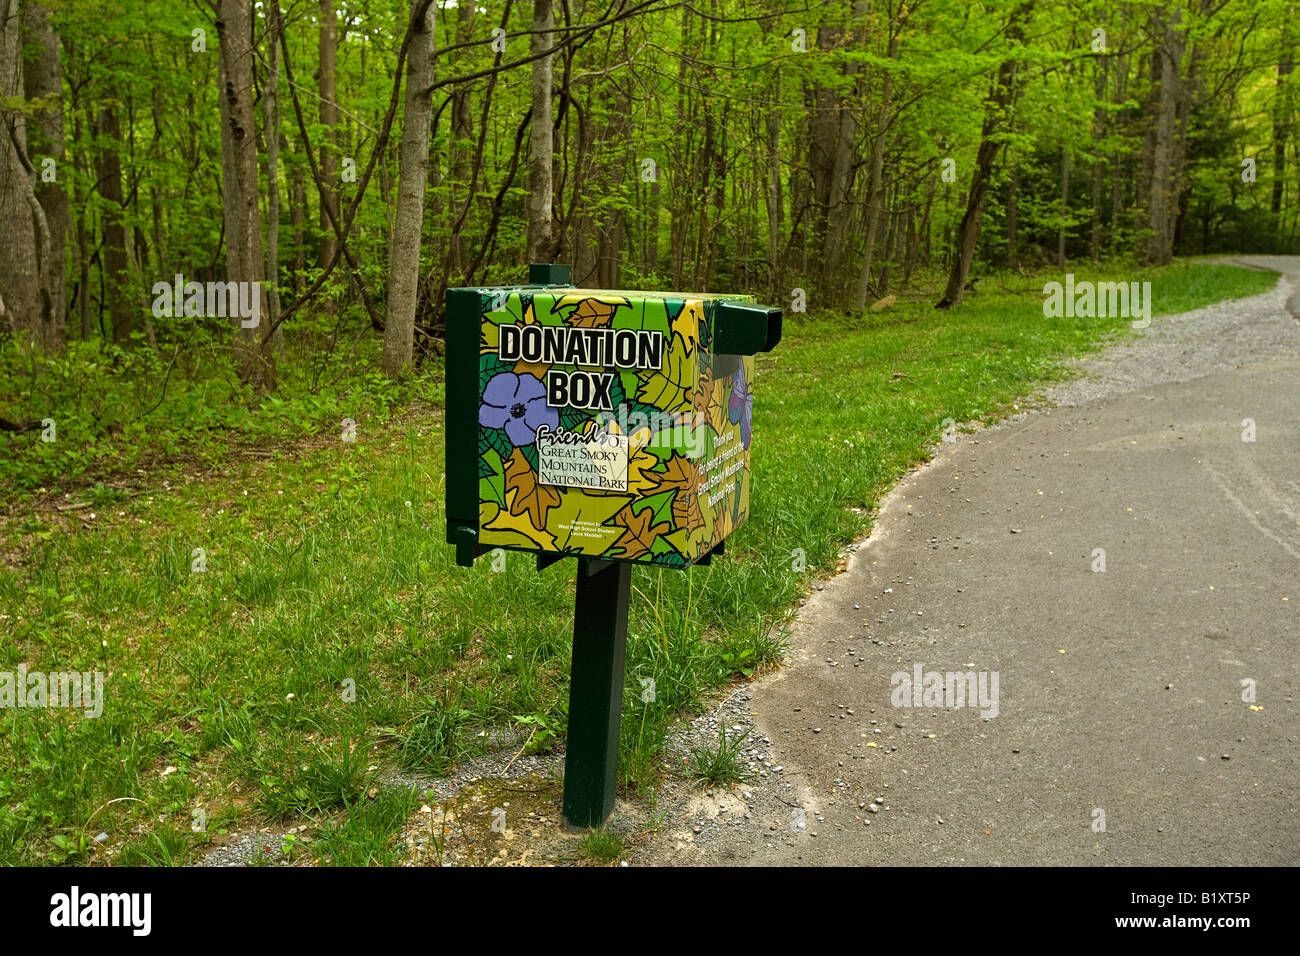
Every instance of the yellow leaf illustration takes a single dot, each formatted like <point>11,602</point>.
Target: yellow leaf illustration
<point>722,520</point>
<point>687,324</point>
<point>716,408</point>
<point>703,392</point>
<point>579,521</point>
<point>535,498</point>
<point>639,535</point>
<point>670,387</point>
<point>681,473</point>
<point>686,511</point>
<point>592,312</point>
<point>641,479</point>
<point>507,521</point>
<point>536,369</point>
<point>489,338</point>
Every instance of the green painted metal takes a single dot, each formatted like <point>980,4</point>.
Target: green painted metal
<point>461,424</point>
<point>548,273</point>
<point>596,691</point>
<point>744,329</point>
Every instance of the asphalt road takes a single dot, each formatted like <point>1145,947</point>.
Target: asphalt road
<point>1120,691</point>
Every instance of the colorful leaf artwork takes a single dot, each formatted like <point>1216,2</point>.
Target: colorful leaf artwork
<point>655,471</point>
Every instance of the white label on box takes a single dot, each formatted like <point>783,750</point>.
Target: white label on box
<point>597,460</point>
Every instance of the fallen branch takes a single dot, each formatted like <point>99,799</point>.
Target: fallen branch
<point>7,426</point>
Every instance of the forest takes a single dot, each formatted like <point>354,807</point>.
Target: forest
<point>360,157</point>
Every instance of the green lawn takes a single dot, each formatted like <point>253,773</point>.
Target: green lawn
<point>332,633</point>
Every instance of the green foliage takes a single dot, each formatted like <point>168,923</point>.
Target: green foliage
<point>691,92</point>
<point>721,764</point>
<point>600,846</point>
<point>116,410</point>
<point>546,728</point>
<point>432,738</point>
<point>164,847</point>
<point>365,833</point>
<point>327,781</point>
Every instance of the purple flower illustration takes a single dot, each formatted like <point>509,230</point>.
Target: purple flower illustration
<point>516,403</point>
<point>740,410</point>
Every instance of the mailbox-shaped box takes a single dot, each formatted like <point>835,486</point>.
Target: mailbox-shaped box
<point>598,424</point>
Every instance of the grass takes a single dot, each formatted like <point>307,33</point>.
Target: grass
<point>433,738</point>
<point>112,411</point>
<point>721,764</point>
<point>364,834</point>
<point>600,846</point>
<point>161,847</point>
<point>331,631</point>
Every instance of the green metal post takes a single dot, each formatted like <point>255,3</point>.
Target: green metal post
<point>596,691</point>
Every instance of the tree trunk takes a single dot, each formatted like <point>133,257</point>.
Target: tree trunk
<point>43,80</point>
<point>582,254</point>
<point>824,126</point>
<point>83,268</point>
<point>875,187</point>
<point>271,121</point>
<point>801,190</point>
<point>462,129</point>
<point>21,308</point>
<point>837,210</point>
<point>841,179</point>
<point>1098,136</point>
<point>298,219</point>
<point>1159,151</point>
<point>1013,211</point>
<point>113,258</point>
<point>682,169</point>
<point>927,227</point>
<point>1119,174</point>
<point>1178,165</point>
<point>1063,230</point>
<point>80,193</point>
<point>1282,119</point>
<point>999,101</point>
<point>916,234</point>
<point>700,283</point>
<point>612,228</point>
<point>155,200</point>
<point>329,118</point>
<point>239,186</point>
<point>774,198</point>
<point>541,139</point>
<point>713,248</point>
<point>404,247</point>
<point>891,237</point>
<point>651,263</point>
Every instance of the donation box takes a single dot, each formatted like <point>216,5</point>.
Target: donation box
<point>609,425</point>
<point>612,427</point>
